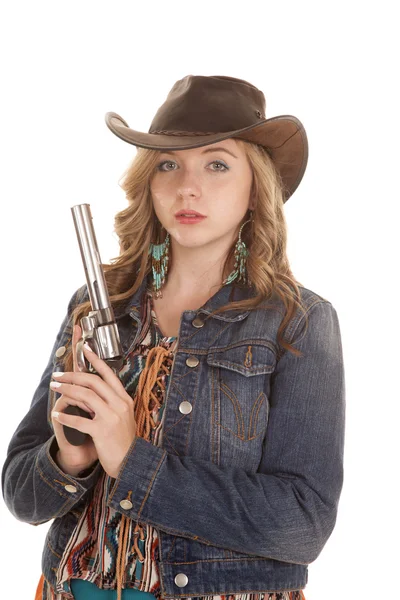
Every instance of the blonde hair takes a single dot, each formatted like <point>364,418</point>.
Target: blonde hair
<point>266,237</point>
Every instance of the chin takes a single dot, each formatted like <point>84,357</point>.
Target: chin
<point>188,237</point>
<point>191,236</point>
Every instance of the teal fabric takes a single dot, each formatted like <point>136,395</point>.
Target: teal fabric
<point>84,590</point>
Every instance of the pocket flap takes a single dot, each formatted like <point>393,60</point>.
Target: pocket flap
<point>246,358</point>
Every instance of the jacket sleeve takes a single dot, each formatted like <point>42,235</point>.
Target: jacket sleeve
<point>287,509</point>
<point>34,488</point>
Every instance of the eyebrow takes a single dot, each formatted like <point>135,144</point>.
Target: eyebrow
<point>216,149</point>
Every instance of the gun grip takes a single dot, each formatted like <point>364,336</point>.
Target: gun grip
<point>73,436</point>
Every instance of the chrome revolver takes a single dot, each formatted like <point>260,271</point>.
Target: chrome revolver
<point>99,329</point>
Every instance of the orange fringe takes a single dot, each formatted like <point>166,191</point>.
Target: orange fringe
<point>39,589</point>
<point>158,364</point>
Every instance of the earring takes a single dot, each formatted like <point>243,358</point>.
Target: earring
<point>159,265</point>
<point>241,254</point>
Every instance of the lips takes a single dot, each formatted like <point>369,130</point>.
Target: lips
<point>188,213</point>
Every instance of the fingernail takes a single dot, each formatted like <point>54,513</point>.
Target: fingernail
<point>58,373</point>
<point>86,345</point>
<point>55,384</point>
<point>55,414</point>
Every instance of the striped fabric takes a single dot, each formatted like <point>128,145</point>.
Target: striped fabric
<point>91,552</point>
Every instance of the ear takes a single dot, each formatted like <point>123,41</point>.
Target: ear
<point>252,200</point>
<point>252,203</point>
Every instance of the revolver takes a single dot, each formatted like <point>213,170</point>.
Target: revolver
<point>99,329</point>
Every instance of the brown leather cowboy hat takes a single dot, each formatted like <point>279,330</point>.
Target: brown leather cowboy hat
<point>203,110</point>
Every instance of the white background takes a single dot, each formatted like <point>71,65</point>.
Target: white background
<point>334,66</point>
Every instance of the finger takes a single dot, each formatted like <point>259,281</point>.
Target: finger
<point>64,401</point>
<point>82,394</point>
<point>105,372</point>
<point>59,407</point>
<point>79,423</point>
<point>90,381</point>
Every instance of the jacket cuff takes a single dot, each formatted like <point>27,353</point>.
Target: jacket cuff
<point>67,486</point>
<point>136,478</point>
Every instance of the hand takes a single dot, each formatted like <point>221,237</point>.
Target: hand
<point>113,426</point>
<point>72,459</point>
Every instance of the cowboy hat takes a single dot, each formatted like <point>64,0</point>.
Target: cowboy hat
<point>202,110</point>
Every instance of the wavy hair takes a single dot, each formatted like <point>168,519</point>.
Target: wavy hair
<point>266,239</point>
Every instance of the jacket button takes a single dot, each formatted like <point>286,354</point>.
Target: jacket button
<point>198,322</point>
<point>60,351</point>
<point>185,407</point>
<point>192,361</point>
<point>181,580</point>
<point>70,488</point>
<point>126,504</point>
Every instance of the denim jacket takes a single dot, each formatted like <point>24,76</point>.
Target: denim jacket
<point>244,489</point>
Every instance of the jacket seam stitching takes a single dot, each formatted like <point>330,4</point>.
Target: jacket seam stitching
<point>245,342</point>
<point>52,550</point>
<point>252,590</point>
<point>303,316</point>
<point>197,332</point>
<point>41,474</point>
<point>166,438</point>
<point>193,403</point>
<point>258,403</point>
<point>224,389</point>
<point>151,484</point>
<point>172,545</point>
<point>118,480</point>
<point>212,426</point>
<point>242,439</point>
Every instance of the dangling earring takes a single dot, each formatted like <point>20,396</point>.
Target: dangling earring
<point>241,253</point>
<point>159,265</point>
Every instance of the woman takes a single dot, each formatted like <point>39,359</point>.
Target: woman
<point>214,464</point>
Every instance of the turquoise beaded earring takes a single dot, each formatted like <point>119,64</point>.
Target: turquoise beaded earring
<point>159,265</point>
<point>239,272</point>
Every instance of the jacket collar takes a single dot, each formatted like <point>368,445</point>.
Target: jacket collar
<point>227,293</point>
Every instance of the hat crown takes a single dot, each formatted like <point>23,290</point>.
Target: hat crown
<point>199,105</point>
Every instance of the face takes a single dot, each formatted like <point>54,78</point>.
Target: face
<point>215,182</point>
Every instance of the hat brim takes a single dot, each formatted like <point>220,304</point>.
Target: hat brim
<point>284,136</point>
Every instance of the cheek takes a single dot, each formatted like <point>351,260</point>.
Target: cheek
<point>160,197</point>
<point>230,205</point>
<point>235,190</point>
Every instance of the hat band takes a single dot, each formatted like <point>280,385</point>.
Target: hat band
<point>189,133</point>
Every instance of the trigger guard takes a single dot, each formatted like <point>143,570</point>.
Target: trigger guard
<point>80,357</point>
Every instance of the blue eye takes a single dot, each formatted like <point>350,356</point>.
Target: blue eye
<point>214,162</point>
<point>165,162</point>
<point>221,164</point>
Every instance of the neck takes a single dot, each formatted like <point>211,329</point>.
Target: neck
<point>195,271</point>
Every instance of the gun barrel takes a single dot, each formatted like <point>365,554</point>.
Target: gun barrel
<point>96,284</point>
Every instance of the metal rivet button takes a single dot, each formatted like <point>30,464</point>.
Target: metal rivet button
<point>61,351</point>
<point>198,322</point>
<point>185,407</point>
<point>126,504</point>
<point>70,488</point>
<point>181,580</point>
<point>192,361</point>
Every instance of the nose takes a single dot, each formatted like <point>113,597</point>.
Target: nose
<point>188,185</point>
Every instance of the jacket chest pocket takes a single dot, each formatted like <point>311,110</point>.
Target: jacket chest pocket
<point>240,384</point>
